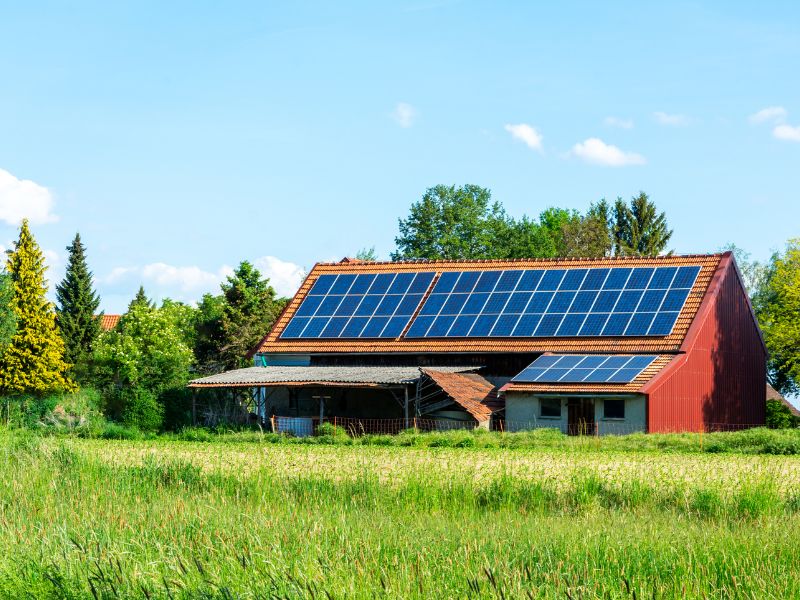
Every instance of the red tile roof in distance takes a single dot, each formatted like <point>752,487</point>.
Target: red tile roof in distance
<point>708,264</point>
<point>108,322</point>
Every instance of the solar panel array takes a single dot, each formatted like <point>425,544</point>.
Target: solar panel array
<point>593,368</point>
<point>556,303</point>
<point>580,302</point>
<point>359,306</point>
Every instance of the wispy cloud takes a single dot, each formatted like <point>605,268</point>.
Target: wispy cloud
<point>617,122</point>
<point>404,114</point>
<point>597,152</point>
<point>771,114</point>
<point>787,132</point>
<point>671,120</point>
<point>527,135</point>
<point>24,199</point>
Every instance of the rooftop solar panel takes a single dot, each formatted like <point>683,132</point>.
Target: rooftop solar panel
<point>360,306</point>
<point>578,368</point>
<point>620,301</point>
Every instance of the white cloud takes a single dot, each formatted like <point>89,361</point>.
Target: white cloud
<point>617,122</point>
<point>24,199</point>
<point>189,282</point>
<point>596,151</point>
<point>284,276</point>
<point>404,114</point>
<point>787,132</point>
<point>526,134</point>
<point>671,120</point>
<point>772,114</point>
<point>187,279</point>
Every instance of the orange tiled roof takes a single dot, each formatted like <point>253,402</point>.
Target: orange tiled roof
<point>708,263</point>
<point>108,322</point>
<point>626,388</point>
<point>471,391</point>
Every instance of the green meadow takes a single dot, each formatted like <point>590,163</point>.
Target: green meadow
<point>235,517</point>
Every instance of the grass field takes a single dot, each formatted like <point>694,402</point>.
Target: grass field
<point>240,519</point>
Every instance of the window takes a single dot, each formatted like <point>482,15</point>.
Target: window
<point>614,409</point>
<point>550,408</point>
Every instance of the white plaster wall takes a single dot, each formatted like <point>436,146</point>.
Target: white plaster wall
<point>522,412</point>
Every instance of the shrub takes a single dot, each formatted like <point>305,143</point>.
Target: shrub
<point>142,410</point>
<point>779,416</point>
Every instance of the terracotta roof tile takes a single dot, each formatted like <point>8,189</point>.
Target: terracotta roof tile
<point>108,322</point>
<point>671,343</point>
<point>628,388</point>
<point>471,391</point>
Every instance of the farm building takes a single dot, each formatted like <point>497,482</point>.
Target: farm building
<point>607,345</point>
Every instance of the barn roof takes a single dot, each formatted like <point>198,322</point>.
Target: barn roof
<point>275,343</point>
<point>472,392</point>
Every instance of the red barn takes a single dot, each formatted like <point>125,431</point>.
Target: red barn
<point>606,345</point>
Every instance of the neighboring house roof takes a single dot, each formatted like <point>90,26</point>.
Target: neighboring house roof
<point>273,343</point>
<point>773,394</point>
<point>633,387</point>
<point>309,376</point>
<point>108,322</point>
<point>472,392</point>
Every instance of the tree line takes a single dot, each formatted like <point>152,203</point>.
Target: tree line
<point>138,371</point>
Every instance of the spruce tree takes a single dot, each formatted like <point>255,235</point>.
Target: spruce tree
<point>76,313</point>
<point>140,299</point>
<point>33,362</point>
<point>639,229</point>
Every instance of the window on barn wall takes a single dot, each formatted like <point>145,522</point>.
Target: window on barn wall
<point>550,408</point>
<point>613,409</point>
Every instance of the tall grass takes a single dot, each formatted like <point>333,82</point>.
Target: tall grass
<point>172,519</point>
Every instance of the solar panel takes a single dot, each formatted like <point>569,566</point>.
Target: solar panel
<point>364,305</point>
<point>576,368</point>
<point>580,302</point>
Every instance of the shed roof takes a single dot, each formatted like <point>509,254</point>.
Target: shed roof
<point>708,263</point>
<point>472,392</point>
<point>347,376</point>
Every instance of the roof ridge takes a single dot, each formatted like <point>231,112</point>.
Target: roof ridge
<point>427,261</point>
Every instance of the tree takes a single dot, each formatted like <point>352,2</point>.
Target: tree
<point>251,307</point>
<point>76,312</point>
<point>778,308</point>
<point>367,254</point>
<point>33,362</point>
<point>141,299</point>
<point>452,223</point>
<point>146,350</point>
<point>208,333</point>
<point>779,416</point>
<point>639,229</point>
<point>8,322</point>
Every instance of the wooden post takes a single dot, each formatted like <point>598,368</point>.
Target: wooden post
<point>194,407</point>
<point>405,405</point>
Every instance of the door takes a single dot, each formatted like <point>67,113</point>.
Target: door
<point>580,416</point>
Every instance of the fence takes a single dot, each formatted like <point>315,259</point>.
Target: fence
<point>308,426</point>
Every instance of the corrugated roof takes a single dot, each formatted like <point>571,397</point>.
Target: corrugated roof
<point>328,376</point>
<point>108,322</point>
<point>472,392</point>
<point>653,345</point>
<point>626,388</point>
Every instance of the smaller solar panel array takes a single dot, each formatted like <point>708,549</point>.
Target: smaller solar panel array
<point>592,368</point>
<point>359,306</point>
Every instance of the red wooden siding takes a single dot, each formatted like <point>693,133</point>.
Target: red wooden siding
<point>720,378</point>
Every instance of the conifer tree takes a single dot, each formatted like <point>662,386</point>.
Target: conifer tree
<point>33,362</point>
<point>76,313</point>
<point>140,299</point>
<point>639,229</point>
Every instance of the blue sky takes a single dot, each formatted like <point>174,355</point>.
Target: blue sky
<point>180,138</point>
